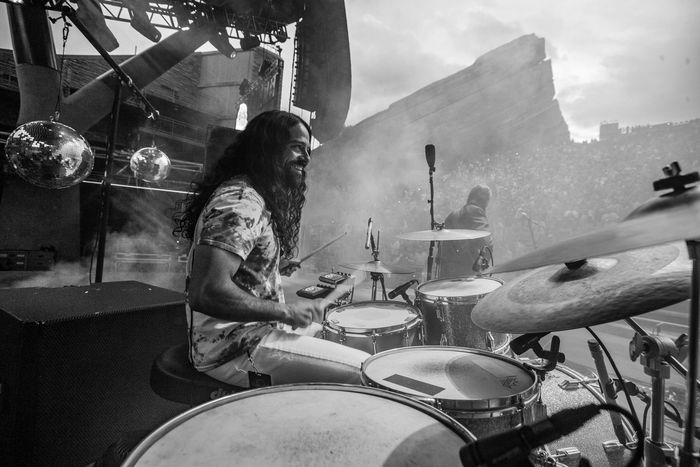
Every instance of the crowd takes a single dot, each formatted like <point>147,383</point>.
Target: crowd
<point>541,196</point>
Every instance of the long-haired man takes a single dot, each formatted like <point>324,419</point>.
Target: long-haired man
<point>242,219</point>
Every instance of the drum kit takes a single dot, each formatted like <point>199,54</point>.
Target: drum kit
<point>445,374</point>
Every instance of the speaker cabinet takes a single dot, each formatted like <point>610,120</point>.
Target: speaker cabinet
<point>75,365</point>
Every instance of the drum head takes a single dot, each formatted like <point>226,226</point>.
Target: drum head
<point>367,317</point>
<point>459,287</point>
<point>306,425</point>
<point>474,378</point>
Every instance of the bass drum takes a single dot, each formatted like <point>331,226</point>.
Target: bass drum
<point>306,425</point>
<point>565,388</point>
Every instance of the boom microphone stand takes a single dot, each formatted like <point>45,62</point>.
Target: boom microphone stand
<point>123,80</point>
<point>430,159</point>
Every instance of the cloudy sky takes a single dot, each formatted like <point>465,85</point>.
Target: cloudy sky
<point>631,61</point>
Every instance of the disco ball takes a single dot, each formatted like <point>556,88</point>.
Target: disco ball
<point>150,164</point>
<point>49,154</point>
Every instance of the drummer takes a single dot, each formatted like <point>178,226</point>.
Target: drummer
<point>457,257</point>
<point>243,220</point>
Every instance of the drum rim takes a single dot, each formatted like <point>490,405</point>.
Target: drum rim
<point>480,408</point>
<point>143,447</point>
<point>383,330</point>
<point>454,298</point>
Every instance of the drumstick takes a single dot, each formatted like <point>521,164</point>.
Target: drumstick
<point>321,247</point>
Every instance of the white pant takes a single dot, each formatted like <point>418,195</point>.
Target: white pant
<point>295,357</point>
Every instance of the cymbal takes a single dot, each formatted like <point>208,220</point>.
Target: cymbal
<point>444,234</point>
<point>660,220</point>
<point>606,288</point>
<point>375,266</point>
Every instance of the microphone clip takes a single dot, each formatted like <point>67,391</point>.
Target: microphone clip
<point>531,341</point>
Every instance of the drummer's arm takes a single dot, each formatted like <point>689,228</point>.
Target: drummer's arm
<point>212,291</point>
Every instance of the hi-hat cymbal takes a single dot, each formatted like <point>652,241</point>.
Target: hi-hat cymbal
<point>605,289</point>
<point>660,220</point>
<point>375,266</point>
<point>444,234</point>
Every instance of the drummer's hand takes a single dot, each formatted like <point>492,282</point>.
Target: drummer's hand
<point>302,314</point>
<point>288,267</point>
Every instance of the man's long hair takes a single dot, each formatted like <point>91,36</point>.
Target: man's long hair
<point>258,153</point>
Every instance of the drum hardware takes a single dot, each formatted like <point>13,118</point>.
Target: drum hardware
<point>652,352</point>
<point>526,342</point>
<point>401,290</point>
<point>671,217</point>
<point>374,267</point>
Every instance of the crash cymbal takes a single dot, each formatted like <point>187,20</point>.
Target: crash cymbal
<point>604,289</point>
<point>375,266</point>
<point>444,234</point>
<point>660,220</point>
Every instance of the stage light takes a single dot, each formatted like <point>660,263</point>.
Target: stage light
<point>249,42</point>
<point>49,154</point>
<point>90,14</point>
<point>142,24</point>
<point>140,21</point>
<point>219,39</point>
<point>150,164</point>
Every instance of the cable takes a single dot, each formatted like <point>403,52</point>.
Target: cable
<point>617,372</point>
<point>639,448</point>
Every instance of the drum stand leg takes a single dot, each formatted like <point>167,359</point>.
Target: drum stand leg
<point>378,276</point>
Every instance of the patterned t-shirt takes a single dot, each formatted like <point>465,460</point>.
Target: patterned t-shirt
<point>235,219</point>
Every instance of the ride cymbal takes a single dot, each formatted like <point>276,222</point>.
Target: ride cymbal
<point>444,234</point>
<point>375,266</point>
<point>604,289</point>
<point>660,220</point>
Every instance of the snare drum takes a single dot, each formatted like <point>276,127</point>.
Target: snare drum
<point>374,326</point>
<point>447,306</point>
<point>487,393</point>
<point>306,425</point>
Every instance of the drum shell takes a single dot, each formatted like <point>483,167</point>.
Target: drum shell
<point>456,325</point>
<point>481,417</point>
<point>376,339</point>
<point>306,425</point>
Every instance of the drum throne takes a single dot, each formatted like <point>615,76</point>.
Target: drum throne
<point>174,378</point>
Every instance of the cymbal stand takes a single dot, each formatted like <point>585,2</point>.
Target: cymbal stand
<point>678,182</point>
<point>688,456</point>
<point>653,353</point>
<point>376,276</point>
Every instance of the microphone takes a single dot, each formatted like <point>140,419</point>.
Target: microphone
<point>430,156</point>
<point>605,387</point>
<point>369,233</point>
<point>511,448</point>
<point>400,290</point>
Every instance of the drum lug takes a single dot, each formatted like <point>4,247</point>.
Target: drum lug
<point>374,341</point>
<point>441,314</point>
<point>341,336</point>
<point>324,335</point>
<point>490,341</point>
<point>405,336</point>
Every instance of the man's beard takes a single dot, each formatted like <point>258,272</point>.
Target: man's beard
<point>293,179</point>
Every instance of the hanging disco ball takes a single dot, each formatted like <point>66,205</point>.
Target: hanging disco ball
<point>49,154</point>
<point>150,164</point>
